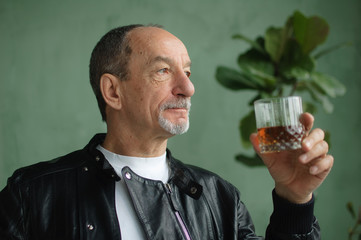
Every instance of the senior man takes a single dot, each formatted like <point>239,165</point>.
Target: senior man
<point>125,184</point>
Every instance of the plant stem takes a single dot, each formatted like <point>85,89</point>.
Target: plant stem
<point>280,92</point>
<point>353,230</point>
<point>294,88</point>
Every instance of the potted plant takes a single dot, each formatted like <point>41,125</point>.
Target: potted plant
<point>282,63</point>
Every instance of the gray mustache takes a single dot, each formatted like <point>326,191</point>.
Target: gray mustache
<point>178,103</point>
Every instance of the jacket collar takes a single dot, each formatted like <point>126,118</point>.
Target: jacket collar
<point>180,174</point>
<point>99,158</point>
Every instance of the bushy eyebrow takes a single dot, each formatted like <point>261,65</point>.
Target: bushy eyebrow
<point>166,60</point>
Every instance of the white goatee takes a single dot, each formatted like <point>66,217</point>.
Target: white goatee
<point>175,128</point>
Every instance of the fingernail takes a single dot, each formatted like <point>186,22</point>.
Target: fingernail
<point>307,143</point>
<point>303,158</point>
<point>313,170</point>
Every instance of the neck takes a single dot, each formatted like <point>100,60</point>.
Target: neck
<point>132,145</point>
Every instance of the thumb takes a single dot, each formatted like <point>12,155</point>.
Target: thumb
<point>255,142</point>
<point>307,120</point>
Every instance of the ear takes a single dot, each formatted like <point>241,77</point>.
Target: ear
<point>110,89</point>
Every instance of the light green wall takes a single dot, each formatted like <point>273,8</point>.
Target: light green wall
<point>47,107</point>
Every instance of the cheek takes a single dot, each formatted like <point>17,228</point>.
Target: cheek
<point>139,95</point>
<point>150,96</point>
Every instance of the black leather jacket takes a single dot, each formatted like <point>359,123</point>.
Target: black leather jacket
<point>72,197</point>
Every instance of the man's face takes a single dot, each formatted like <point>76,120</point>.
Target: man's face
<point>156,96</point>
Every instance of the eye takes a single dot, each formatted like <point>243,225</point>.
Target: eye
<point>188,73</point>
<point>163,70</point>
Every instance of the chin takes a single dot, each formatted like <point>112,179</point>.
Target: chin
<point>174,128</point>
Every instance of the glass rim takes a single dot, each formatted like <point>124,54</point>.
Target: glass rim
<point>275,99</point>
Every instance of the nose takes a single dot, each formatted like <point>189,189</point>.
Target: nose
<point>184,86</point>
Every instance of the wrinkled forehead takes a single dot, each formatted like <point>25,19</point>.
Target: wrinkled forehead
<point>153,41</point>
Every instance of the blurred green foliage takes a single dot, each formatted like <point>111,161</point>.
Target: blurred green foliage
<point>283,63</point>
<point>355,229</point>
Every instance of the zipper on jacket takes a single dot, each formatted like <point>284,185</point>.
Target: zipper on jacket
<point>178,216</point>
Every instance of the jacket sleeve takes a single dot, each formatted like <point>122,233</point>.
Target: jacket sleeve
<point>11,213</point>
<point>292,221</point>
<point>288,222</point>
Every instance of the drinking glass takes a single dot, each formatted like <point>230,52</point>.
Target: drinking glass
<point>278,124</point>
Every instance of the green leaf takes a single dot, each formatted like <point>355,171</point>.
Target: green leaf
<point>247,126</point>
<point>233,79</point>
<point>254,161</point>
<point>276,41</point>
<point>292,52</point>
<point>263,79</point>
<point>297,72</point>
<point>259,67</point>
<point>319,96</point>
<point>350,209</point>
<point>254,44</point>
<point>254,59</point>
<point>331,49</point>
<point>274,44</point>
<point>294,62</point>
<point>309,107</point>
<point>309,32</point>
<point>260,95</point>
<point>330,85</point>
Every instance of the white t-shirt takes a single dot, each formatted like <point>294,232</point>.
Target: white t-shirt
<point>155,168</point>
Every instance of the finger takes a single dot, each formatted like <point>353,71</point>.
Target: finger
<point>323,166</point>
<point>315,136</point>
<point>255,142</point>
<point>318,150</point>
<point>307,121</point>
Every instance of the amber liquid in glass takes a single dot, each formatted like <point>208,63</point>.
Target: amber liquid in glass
<point>276,139</point>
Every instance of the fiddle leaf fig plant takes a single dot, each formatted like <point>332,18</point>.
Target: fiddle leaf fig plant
<point>282,62</point>
<point>355,230</point>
